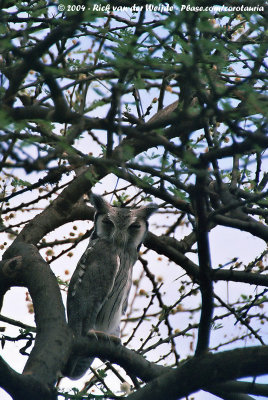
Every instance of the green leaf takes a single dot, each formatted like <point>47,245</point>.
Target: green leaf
<point>102,373</point>
<point>19,182</point>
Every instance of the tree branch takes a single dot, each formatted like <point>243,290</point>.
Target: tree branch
<point>23,266</point>
<point>242,387</point>
<point>204,371</point>
<point>22,387</point>
<point>101,346</point>
<point>206,283</point>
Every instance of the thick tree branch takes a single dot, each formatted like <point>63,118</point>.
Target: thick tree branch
<point>174,253</point>
<point>101,346</point>
<point>22,387</point>
<point>250,225</point>
<point>135,364</point>
<point>225,395</point>
<point>242,387</point>
<point>23,266</point>
<point>204,371</point>
<point>205,279</point>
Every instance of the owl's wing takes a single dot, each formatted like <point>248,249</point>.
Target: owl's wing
<point>125,303</point>
<point>90,285</point>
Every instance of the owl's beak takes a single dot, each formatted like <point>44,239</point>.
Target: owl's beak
<point>119,238</point>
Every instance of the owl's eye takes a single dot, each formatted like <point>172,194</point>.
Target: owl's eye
<point>136,225</point>
<point>107,222</point>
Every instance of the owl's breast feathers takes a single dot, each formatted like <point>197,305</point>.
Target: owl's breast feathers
<point>98,288</point>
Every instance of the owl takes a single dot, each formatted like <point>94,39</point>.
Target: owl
<point>99,288</point>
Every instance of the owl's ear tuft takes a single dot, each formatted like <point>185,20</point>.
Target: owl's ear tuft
<point>148,210</point>
<point>99,203</point>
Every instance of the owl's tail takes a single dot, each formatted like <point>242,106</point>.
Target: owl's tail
<point>77,367</point>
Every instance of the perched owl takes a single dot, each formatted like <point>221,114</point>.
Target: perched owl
<point>99,288</point>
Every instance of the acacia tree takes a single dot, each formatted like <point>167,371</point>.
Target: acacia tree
<point>171,103</point>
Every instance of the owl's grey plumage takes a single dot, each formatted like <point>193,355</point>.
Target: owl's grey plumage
<point>99,288</point>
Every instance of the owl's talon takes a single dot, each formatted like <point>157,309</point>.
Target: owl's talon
<point>104,336</point>
<point>93,333</point>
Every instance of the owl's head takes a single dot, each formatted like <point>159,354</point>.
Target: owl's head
<point>125,227</point>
